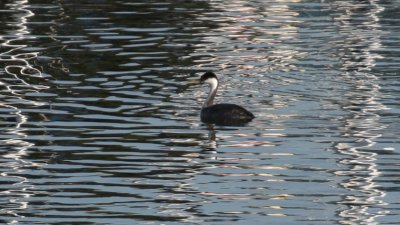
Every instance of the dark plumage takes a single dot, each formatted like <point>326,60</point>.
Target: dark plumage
<point>208,75</point>
<point>225,114</point>
<point>221,113</point>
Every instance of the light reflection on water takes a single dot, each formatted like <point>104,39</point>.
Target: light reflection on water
<point>13,137</point>
<point>363,124</point>
<point>99,126</point>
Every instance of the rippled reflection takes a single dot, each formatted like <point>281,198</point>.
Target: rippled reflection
<point>363,101</point>
<point>17,70</point>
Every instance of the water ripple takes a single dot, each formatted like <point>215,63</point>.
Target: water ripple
<point>100,127</point>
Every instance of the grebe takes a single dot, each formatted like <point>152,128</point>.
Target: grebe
<point>221,113</point>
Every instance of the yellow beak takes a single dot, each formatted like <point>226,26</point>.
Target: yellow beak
<point>193,82</point>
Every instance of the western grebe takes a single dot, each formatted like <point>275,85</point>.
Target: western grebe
<point>221,113</point>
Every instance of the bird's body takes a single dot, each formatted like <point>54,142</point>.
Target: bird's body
<point>221,113</point>
<point>225,114</point>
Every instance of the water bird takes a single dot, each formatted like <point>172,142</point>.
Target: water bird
<point>225,113</point>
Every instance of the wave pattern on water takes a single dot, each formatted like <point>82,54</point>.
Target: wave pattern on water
<point>100,127</point>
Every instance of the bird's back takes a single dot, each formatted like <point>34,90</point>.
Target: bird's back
<point>225,114</point>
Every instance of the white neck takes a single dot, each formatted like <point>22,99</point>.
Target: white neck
<point>213,91</point>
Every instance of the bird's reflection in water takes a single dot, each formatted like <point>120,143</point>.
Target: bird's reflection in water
<point>212,143</point>
<point>212,137</point>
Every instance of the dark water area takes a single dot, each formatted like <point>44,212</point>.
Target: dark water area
<point>98,124</point>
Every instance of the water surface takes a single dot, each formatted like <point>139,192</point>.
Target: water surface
<point>98,124</point>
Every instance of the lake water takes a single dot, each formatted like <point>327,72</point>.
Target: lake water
<point>99,124</point>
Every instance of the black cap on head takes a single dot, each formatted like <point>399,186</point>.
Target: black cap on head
<point>208,75</point>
